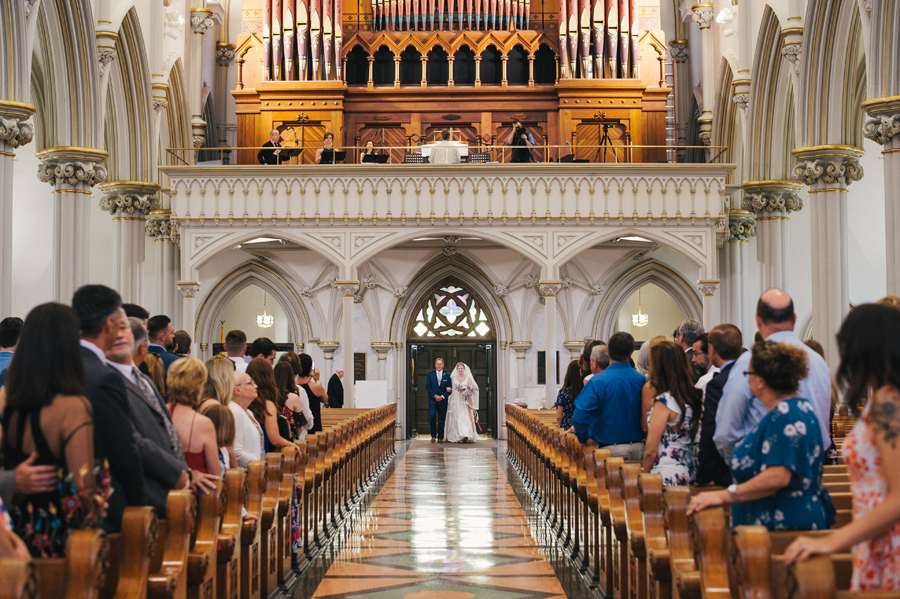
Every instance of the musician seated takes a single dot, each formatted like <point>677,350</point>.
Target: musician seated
<point>267,154</point>
<point>327,154</point>
<point>444,152</point>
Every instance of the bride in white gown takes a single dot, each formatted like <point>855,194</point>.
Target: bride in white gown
<point>462,407</point>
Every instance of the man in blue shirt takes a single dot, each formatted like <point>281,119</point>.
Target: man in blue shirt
<point>608,409</point>
<point>739,410</point>
<point>9,337</point>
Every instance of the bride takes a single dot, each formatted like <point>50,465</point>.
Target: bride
<point>462,407</point>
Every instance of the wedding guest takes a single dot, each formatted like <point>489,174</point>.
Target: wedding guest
<point>219,382</point>
<point>249,439</point>
<point>223,421</point>
<point>264,407</point>
<point>185,381</point>
<point>315,392</point>
<point>565,401</point>
<point>294,407</point>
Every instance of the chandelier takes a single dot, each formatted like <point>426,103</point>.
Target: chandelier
<point>640,319</point>
<point>264,320</point>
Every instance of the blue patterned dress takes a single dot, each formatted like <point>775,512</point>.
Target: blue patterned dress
<point>565,400</point>
<point>789,435</point>
<point>676,461</point>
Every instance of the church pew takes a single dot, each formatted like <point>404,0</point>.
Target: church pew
<point>19,579</point>
<point>269,524</point>
<point>637,550</point>
<point>79,575</point>
<point>817,579</point>
<point>601,564</point>
<point>228,547</point>
<point>169,568</point>
<point>292,460</point>
<point>656,546</point>
<point>203,556</point>
<point>129,555</point>
<point>710,534</point>
<point>684,575</point>
<point>619,538</point>
<point>319,494</point>
<point>252,531</point>
<point>309,484</point>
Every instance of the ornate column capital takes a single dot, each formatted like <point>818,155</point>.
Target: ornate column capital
<point>14,131</point>
<point>828,165</point>
<point>520,347</point>
<point>708,288</point>
<point>884,119</point>
<point>106,45</point>
<point>198,126</point>
<point>382,348</point>
<point>741,97</point>
<point>201,20</point>
<point>328,348</point>
<point>678,49</point>
<point>792,46</point>
<point>129,200</point>
<point>159,227</point>
<point>160,93</point>
<point>702,14</point>
<point>550,288</point>
<point>741,226</point>
<point>772,196</point>
<point>705,137</point>
<point>70,168</point>
<point>574,348</point>
<point>188,289</point>
<point>224,53</point>
<point>347,288</point>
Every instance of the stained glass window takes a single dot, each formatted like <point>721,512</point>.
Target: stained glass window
<point>451,311</point>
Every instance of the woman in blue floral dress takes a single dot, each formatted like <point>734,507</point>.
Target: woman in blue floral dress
<point>777,467</point>
<point>674,417</point>
<point>565,400</point>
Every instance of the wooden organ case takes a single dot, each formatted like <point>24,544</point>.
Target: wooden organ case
<point>396,72</point>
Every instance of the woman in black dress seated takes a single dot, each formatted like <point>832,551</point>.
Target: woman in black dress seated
<point>326,155</point>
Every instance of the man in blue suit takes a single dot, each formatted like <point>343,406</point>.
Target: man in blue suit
<point>162,336</point>
<point>437,385</point>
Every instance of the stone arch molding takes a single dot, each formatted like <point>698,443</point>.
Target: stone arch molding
<point>274,283</point>
<point>654,272</point>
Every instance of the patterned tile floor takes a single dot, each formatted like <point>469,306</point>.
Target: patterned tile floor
<point>444,521</point>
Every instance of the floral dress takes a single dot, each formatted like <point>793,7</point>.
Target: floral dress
<point>675,459</point>
<point>567,402</point>
<point>876,562</point>
<point>789,435</point>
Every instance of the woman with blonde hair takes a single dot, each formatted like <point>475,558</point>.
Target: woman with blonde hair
<point>219,382</point>
<point>157,372</point>
<point>186,379</point>
<point>223,421</point>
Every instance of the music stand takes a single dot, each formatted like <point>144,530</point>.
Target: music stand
<point>382,158</point>
<point>288,152</point>
<point>369,158</point>
<point>568,158</point>
<point>339,156</point>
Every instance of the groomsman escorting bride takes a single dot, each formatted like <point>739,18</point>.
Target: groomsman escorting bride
<point>463,407</point>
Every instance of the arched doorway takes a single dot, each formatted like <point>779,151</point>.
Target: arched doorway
<point>452,323</point>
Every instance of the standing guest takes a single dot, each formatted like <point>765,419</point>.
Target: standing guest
<point>182,344</point>
<point>47,415</point>
<point>685,335</point>
<point>223,421</point>
<point>643,362</point>
<point>599,362</point>
<point>157,372</point>
<point>162,336</point>
<point>700,360</point>
<point>608,409</point>
<point>831,456</point>
<point>336,389</point>
<point>9,336</point>
<point>265,407</point>
<point>584,360</point>
<point>648,393</point>
<point>777,467</point>
<point>263,346</point>
<point>249,438</point>
<point>185,381</point>
<point>724,348</point>
<point>219,382</point>
<point>294,407</point>
<point>315,392</point>
<point>136,311</point>
<point>235,348</point>
<point>674,417</point>
<point>870,365</point>
<point>565,401</point>
<point>739,411</point>
<point>98,309</point>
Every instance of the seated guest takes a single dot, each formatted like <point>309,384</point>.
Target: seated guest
<point>738,410</point>
<point>565,401</point>
<point>674,418</point>
<point>685,335</point>
<point>235,348</point>
<point>368,151</point>
<point>648,393</point>
<point>219,382</point>
<point>262,346</point>
<point>182,344</point>
<point>265,406</point>
<point>777,467</point>
<point>47,415</point>
<point>223,421</point>
<point>162,337</point>
<point>249,439</point>
<point>185,381</point>
<point>724,348</point>
<point>294,408</point>
<point>98,309</point>
<point>608,409</point>
<point>870,365</point>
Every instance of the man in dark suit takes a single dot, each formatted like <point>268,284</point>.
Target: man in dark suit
<point>437,385</point>
<point>162,335</point>
<point>336,389</point>
<point>724,343</point>
<point>99,309</point>
<point>685,335</point>
<point>267,156</point>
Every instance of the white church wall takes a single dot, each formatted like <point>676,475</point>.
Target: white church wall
<point>663,313</point>
<point>103,245</point>
<point>865,225</point>
<point>32,235</point>
<point>800,252</point>
<point>241,314</point>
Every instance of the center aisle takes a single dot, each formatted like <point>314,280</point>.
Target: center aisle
<point>446,524</point>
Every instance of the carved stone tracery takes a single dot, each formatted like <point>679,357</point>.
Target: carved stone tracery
<point>793,53</point>
<point>62,174</point>
<point>836,169</point>
<point>15,132</point>
<point>123,205</point>
<point>882,128</point>
<point>702,15</point>
<point>679,51</point>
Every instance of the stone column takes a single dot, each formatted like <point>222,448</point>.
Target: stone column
<point>129,202</point>
<point>741,227</point>
<point>703,16</point>
<point>828,170</point>
<point>424,59</point>
<point>681,76</point>
<point>883,127</point>
<point>224,58</point>
<point>531,70</point>
<point>396,73</point>
<point>711,315</point>
<point>72,172</point>
<point>14,133</point>
<point>772,201</point>
<point>348,289</point>
<point>201,22</point>
<point>450,59</point>
<point>189,290</point>
<point>328,368</point>
<point>504,59</point>
<point>520,347</point>
<point>382,348</point>
<point>160,229</point>
<point>370,84</point>
<point>549,289</point>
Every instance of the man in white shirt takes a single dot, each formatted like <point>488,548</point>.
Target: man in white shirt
<point>248,434</point>
<point>700,359</point>
<point>235,348</point>
<point>443,152</point>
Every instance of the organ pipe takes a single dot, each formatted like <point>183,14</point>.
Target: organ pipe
<point>599,36</point>
<point>287,20</point>
<point>302,30</point>
<point>563,45</point>
<point>338,38</point>
<point>584,12</point>
<point>572,29</point>
<point>276,39</point>
<point>267,39</point>
<point>315,28</point>
<point>624,38</point>
<point>635,59</point>
<point>612,36</point>
<point>327,36</point>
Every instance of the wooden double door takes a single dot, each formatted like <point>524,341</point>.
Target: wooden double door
<point>479,356</point>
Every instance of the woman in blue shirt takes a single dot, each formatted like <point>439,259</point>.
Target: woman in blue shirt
<point>777,467</point>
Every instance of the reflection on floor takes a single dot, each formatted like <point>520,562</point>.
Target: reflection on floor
<point>449,522</point>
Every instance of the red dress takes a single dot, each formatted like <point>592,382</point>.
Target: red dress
<point>195,460</point>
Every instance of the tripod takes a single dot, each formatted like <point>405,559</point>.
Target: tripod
<point>606,144</point>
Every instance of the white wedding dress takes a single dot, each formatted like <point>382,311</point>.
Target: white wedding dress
<point>461,409</point>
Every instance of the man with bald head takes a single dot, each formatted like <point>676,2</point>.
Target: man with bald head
<point>248,434</point>
<point>739,410</point>
<point>267,154</point>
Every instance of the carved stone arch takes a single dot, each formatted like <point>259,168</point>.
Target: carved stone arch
<point>176,129</point>
<point>650,271</point>
<point>223,242</point>
<point>274,283</point>
<point>726,117</point>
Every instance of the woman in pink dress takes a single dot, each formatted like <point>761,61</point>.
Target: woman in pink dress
<point>870,359</point>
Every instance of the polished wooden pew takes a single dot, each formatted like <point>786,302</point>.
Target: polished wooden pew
<point>228,555</point>
<point>204,543</point>
<point>253,531</point>
<point>169,567</point>
<point>79,575</point>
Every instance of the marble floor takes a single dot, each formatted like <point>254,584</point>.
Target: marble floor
<point>444,521</point>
